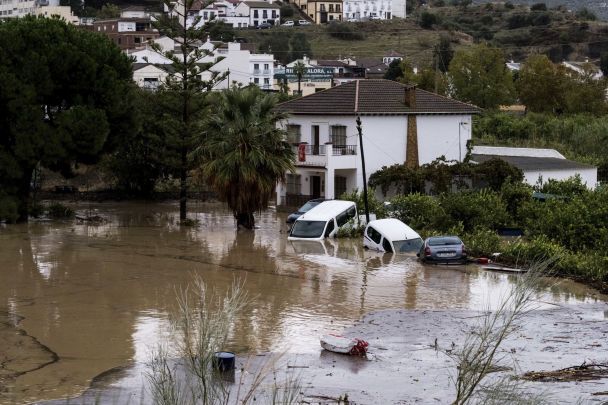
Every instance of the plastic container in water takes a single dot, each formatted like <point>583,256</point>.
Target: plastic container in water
<point>224,361</point>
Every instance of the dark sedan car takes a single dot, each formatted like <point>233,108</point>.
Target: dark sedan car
<point>305,208</point>
<point>443,249</point>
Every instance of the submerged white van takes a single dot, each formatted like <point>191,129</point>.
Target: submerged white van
<point>324,220</point>
<point>392,236</point>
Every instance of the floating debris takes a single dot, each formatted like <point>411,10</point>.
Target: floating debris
<point>584,372</point>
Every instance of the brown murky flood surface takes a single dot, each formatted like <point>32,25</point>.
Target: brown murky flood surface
<point>77,300</point>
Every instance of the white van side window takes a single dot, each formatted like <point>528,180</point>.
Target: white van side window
<point>330,228</point>
<point>374,234</point>
<point>346,216</point>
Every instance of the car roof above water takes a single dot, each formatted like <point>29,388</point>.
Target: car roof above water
<point>394,229</point>
<point>326,210</point>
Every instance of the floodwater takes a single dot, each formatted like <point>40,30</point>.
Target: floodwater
<point>77,300</point>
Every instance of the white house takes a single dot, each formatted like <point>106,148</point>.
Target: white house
<point>538,164</point>
<point>244,67</point>
<point>149,76</point>
<point>47,8</point>
<point>367,9</point>
<point>259,12</point>
<point>400,124</point>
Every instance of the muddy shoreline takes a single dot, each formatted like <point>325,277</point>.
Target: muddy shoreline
<point>409,359</point>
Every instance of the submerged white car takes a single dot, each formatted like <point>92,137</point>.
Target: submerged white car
<point>392,236</point>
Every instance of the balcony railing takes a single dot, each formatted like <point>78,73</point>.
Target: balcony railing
<point>340,150</point>
<point>314,150</point>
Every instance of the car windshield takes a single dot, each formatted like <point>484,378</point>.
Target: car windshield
<point>306,207</point>
<point>444,241</point>
<point>407,246</point>
<point>308,229</point>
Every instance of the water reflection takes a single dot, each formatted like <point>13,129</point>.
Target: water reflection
<point>102,296</point>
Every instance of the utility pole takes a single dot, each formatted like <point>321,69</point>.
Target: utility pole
<point>360,131</point>
<point>228,78</point>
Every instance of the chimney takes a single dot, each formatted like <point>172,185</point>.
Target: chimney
<point>410,96</point>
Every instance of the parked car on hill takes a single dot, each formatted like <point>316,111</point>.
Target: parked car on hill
<point>304,22</point>
<point>288,24</point>
<point>264,26</point>
<point>443,249</point>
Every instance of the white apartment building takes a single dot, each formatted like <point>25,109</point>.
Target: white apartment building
<point>243,67</point>
<point>367,9</point>
<point>259,12</point>
<point>47,8</point>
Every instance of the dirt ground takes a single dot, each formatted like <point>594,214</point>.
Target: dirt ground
<point>408,361</point>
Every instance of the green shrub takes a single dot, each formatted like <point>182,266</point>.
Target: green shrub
<point>344,31</point>
<point>427,20</point>
<point>515,195</point>
<point>58,210</point>
<point>571,187</point>
<point>586,14</point>
<point>482,242</point>
<point>418,211</point>
<point>538,7</point>
<point>484,209</point>
<point>524,252</point>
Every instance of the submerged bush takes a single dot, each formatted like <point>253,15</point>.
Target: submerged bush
<point>420,212</point>
<point>58,211</point>
<point>483,208</point>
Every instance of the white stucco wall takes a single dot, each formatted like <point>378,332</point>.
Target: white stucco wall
<point>439,135</point>
<point>588,176</point>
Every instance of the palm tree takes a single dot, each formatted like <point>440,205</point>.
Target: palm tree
<point>244,154</point>
<point>300,70</point>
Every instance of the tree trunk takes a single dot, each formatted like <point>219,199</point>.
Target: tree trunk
<point>183,187</point>
<point>23,195</point>
<point>245,220</point>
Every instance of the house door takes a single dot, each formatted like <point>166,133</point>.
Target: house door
<point>315,186</point>
<point>315,139</point>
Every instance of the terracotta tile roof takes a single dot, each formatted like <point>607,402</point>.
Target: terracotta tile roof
<point>377,96</point>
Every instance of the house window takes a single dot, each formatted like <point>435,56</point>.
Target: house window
<point>322,8</point>
<point>150,83</point>
<point>338,135</point>
<point>331,8</point>
<point>294,134</point>
<point>339,189</point>
<point>264,14</point>
<point>255,14</point>
<point>266,66</point>
<point>274,13</point>
<point>256,80</point>
<point>266,81</point>
<point>294,183</point>
<point>337,8</point>
<point>256,66</point>
<point>137,40</point>
<point>205,14</point>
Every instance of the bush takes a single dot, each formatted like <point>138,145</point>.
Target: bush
<point>509,6</point>
<point>538,249</point>
<point>571,187</point>
<point>418,211</point>
<point>482,242</point>
<point>427,20</point>
<point>58,211</point>
<point>538,7</point>
<point>344,31</point>
<point>475,209</point>
<point>586,14</point>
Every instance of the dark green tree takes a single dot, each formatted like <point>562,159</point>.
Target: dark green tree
<point>479,76</point>
<point>394,71</point>
<point>443,53</point>
<point>299,46</point>
<point>300,70</point>
<point>604,63</point>
<point>185,90</point>
<point>108,11</point>
<point>278,45</point>
<point>245,154</point>
<point>65,97</point>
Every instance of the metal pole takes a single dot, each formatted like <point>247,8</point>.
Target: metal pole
<point>459,143</point>
<point>363,167</point>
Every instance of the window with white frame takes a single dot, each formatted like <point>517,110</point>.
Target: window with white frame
<point>339,186</point>
<point>294,134</point>
<point>338,135</point>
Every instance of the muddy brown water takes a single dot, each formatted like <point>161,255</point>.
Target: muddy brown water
<point>77,300</point>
